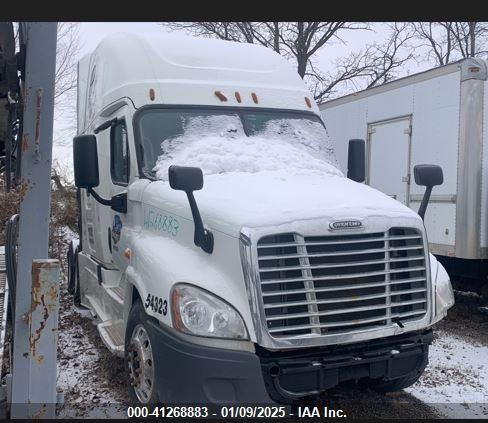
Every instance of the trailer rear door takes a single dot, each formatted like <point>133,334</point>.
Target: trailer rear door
<point>389,157</point>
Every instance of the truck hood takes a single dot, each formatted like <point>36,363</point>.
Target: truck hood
<point>228,202</point>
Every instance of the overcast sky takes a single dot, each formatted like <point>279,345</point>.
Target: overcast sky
<point>91,33</point>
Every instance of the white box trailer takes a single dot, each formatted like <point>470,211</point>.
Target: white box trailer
<point>439,117</point>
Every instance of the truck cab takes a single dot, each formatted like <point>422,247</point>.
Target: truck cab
<point>222,251</point>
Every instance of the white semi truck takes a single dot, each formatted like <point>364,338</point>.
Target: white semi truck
<point>439,116</point>
<point>222,252</point>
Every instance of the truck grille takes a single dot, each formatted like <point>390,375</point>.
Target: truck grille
<point>337,284</point>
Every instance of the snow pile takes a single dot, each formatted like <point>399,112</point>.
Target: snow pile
<point>456,380</point>
<point>218,144</point>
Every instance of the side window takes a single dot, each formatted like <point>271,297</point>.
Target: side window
<point>119,154</point>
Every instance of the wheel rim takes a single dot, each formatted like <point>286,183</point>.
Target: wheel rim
<point>141,364</point>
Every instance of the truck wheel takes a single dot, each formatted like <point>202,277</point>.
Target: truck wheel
<point>395,384</point>
<point>139,360</point>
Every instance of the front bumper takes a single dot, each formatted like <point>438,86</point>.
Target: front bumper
<point>292,375</point>
<point>190,373</point>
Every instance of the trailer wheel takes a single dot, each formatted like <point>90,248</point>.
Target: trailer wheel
<point>139,360</point>
<point>395,384</point>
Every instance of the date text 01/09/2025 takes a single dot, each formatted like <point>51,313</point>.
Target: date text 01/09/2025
<point>233,411</point>
<point>239,411</point>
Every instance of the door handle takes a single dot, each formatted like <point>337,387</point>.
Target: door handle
<point>110,240</point>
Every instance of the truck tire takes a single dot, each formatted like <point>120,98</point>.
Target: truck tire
<point>139,360</point>
<point>484,291</point>
<point>394,385</point>
<point>76,280</point>
<point>71,270</point>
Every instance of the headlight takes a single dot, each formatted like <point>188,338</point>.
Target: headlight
<point>198,312</point>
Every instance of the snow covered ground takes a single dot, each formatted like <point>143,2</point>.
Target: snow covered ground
<point>455,383</point>
<point>90,379</point>
<point>456,380</point>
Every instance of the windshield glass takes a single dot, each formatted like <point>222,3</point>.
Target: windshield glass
<point>307,131</point>
<point>234,141</point>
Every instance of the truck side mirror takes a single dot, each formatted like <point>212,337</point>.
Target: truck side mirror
<point>185,178</point>
<point>428,176</point>
<point>85,161</point>
<point>190,179</point>
<point>356,160</point>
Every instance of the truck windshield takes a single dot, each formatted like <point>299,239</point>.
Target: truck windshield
<point>221,141</point>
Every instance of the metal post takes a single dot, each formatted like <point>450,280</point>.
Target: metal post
<point>34,377</point>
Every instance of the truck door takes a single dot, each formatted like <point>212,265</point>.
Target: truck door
<point>119,181</point>
<point>104,225</point>
<point>95,215</point>
<point>389,157</point>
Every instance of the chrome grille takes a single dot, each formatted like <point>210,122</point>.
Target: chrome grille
<point>341,283</point>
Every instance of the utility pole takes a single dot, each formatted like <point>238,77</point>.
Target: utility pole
<point>36,309</point>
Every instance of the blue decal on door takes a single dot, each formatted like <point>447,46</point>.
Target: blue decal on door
<point>116,229</point>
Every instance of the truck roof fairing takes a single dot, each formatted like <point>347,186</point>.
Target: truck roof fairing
<point>186,70</point>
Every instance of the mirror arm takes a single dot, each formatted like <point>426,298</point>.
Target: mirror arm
<point>203,238</point>
<point>117,202</point>
<point>425,202</point>
<point>105,125</point>
<point>101,200</point>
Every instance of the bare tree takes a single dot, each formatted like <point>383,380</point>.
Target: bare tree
<point>436,38</point>
<point>264,33</point>
<point>376,64</point>
<point>346,74</point>
<point>443,42</point>
<point>301,41</point>
<point>470,38</point>
<point>391,56</point>
<point>298,41</point>
<point>67,53</point>
<point>67,50</point>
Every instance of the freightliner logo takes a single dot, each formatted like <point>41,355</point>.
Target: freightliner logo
<point>345,224</point>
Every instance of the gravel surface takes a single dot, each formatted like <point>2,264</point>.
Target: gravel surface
<point>93,383</point>
<point>466,320</point>
<point>455,383</point>
<point>89,376</point>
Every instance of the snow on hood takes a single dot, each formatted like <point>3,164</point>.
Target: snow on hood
<point>282,175</point>
<point>270,198</point>
<point>234,200</point>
